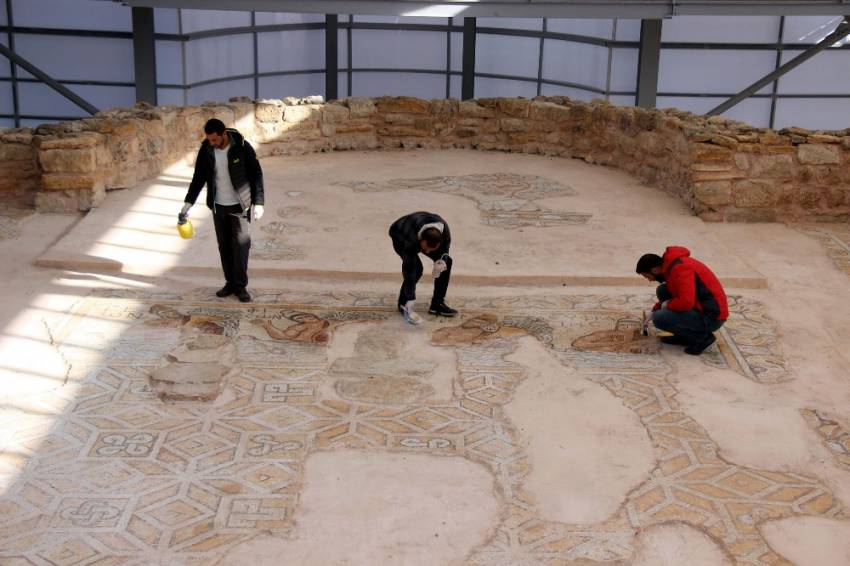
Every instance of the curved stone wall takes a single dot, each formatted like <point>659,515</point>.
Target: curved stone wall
<point>723,170</point>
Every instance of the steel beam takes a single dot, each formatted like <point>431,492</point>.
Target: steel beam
<point>47,79</point>
<point>648,63</point>
<point>467,85</point>
<point>331,56</point>
<point>842,31</point>
<point>144,55</point>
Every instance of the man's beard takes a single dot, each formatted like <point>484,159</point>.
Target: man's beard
<point>660,278</point>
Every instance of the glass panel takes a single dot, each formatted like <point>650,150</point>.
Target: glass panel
<point>575,62</point>
<point>457,51</point>
<point>292,85</point>
<point>72,15</point>
<point>200,20</point>
<point>6,104</point>
<point>399,49</point>
<point>105,97</point>
<point>221,92</point>
<point>721,29</point>
<point>36,123</point>
<point>78,58</point>
<point>511,23</point>
<point>5,68</point>
<point>809,29</point>
<point>574,93</point>
<point>291,50</point>
<point>272,18</point>
<point>629,30</point>
<point>753,111</point>
<point>165,20</point>
<point>7,123</point>
<point>3,19</point>
<point>710,71</point>
<point>621,100</point>
<point>813,113</point>
<point>169,63</point>
<point>592,28</point>
<point>491,88</point>
<point>216,57</point>
<point>41,100</point>
<point>169,96</point>
<point>426,20</point>
<point>399,84</point>
<point>506,55</point>
<point>455,87</point>
<point>827,72</point>
<point>342,49</point>
<point>624,65</point>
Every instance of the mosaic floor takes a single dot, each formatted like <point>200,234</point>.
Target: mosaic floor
<point>108,471</point>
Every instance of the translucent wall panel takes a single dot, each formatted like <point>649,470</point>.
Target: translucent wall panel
<point>399,49</point>
<point>455,88</point>
<point>457,51</point>
<point>510,23</point>
<point>3,19</point>
<point>809,29</point>
<point>712,71</point>
<point>818,114</point>
<point>292,85</point>
<point>221,92</point>
<point>169,63</point>
<point>342,49</point>
<point>5,67</point>
<point>41,100</point>
<point>104,97</point>
<point>79,14</point>
<point>78,58</point>
<point>165,20</point>
<point>6,104</point>
<point>169,96</point>
<point>342,84</point>
<point>621,100</point>
<point>624,65</point>
<point>399,84</point>
<point>579,63</point>
<point>487,88</point>
<point>428,21</point>
<point>217,57</point>
<point>721,29</point>
<point>828,72</point>
<point>754,111</point>
<point>7,123</point>
<point>272,18</point>
<point>200,20</point>
<point>574,93</point>
<point>591,28</point>
<point>628,30</point>
<point>291,50</point>
<point>507,55</point>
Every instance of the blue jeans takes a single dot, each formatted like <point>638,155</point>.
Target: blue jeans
<point>691,325</point>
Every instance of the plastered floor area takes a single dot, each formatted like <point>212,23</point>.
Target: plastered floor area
<point>145,421</point>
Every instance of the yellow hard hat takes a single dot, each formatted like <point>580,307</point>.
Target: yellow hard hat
<point>186,230</point>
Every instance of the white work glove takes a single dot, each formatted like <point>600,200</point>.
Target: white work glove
<point>410,315</point>
<point>439,267</point>
<point>257,211</point>
<point>184,213</point>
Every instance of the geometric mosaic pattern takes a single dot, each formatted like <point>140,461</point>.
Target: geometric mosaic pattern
<point>506,200</point>
<point>102,471</point>
<point>835,239</point>
<point>835,434</point>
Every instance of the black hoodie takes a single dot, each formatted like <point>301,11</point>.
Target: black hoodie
<point>245,172</point>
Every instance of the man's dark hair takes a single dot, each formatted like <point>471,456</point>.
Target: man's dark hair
<point>214,126</point>
<point>647,262</point>
<point>432,237</point>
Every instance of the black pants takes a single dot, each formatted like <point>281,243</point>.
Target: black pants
<point>234,243</point>
<point>692,325</point>
<point>411,271</point>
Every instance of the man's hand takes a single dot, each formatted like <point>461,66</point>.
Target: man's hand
<point>257,211</point>
<point>657,306</point>
<point>184,213</point>
<point>439,267</point>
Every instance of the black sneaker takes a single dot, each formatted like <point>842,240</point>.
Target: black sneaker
<point>675,340</point>
<point>225,291</point>
<point>699,347</point>
<point>442,310</point>
<point>243,295</point>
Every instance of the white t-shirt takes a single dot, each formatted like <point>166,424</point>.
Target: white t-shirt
<point>225,194</point>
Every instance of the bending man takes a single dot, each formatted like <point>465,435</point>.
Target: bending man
<point>427,233</point>
<point>691,301</point>
<point>228,166</point>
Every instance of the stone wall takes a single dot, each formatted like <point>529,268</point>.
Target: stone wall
<point>723,170</point>
<point>19,176</point>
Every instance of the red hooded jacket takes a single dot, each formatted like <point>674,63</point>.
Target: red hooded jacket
<point>693,285</point>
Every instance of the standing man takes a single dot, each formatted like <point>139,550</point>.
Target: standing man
<point>427,233</point>
<point>691,301</point>
<point>228,166</point>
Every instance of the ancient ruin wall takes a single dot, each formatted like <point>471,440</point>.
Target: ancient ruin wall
<point>723,170</point>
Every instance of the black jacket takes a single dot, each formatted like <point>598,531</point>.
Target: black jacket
<point>405,234</point>
<point>245,172</point>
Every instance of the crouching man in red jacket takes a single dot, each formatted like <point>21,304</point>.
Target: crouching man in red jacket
<point>691,301</point>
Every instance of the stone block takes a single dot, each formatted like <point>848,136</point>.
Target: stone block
<point>709,153</point>
<point>16,152</point>
<point>64,181</point>
<point>750,215</point>
<point>713,193</point>
<point>819,154</point>
<point>402,105</point>
<point>306,114</point>
<point>68,160</point>
<point>515,107</point>
<point>472,109</point>
<point>772,166</point>
<point>755,194</point>
<point>548,112</point>
<point>335,114</point>
<point>86,139</point>
<point>514,125</point>
<point>809,197</point>
<point>444,107</point>
<point>360,107</point>
<point>268,112</point>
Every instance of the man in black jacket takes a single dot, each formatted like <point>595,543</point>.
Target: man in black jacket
<point>228,166</point>
<point>427,233</point>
